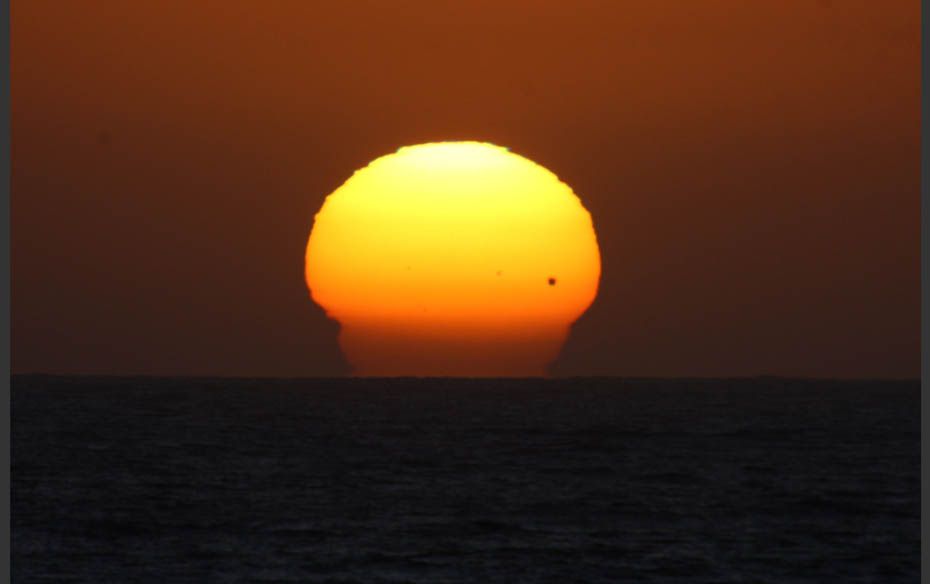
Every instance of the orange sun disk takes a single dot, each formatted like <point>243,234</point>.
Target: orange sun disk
<point>453,258</point>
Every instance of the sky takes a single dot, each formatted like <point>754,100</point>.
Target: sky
<point>752,170</point>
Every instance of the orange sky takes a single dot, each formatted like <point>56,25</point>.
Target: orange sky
<point>752,170</point>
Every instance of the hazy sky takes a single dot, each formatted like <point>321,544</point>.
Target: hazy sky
<point>752,170</point>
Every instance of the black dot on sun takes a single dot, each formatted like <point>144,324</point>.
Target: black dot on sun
<point>551,281</point>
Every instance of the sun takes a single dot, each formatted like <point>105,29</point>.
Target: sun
<point>453,258</point>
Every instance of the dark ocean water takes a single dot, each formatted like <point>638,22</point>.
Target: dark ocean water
<point>432,480</point>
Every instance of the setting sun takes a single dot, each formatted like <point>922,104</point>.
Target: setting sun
<point>453,258</point>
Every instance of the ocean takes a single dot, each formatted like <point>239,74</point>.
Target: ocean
<point>173,480</point>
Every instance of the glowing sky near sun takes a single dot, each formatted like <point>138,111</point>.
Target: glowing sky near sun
<point>752,169</point>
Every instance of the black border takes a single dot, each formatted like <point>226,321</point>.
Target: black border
<point>5,288</point>
<point>924,286</point>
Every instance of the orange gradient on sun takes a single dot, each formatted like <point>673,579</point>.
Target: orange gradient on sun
<point>453,258</point>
